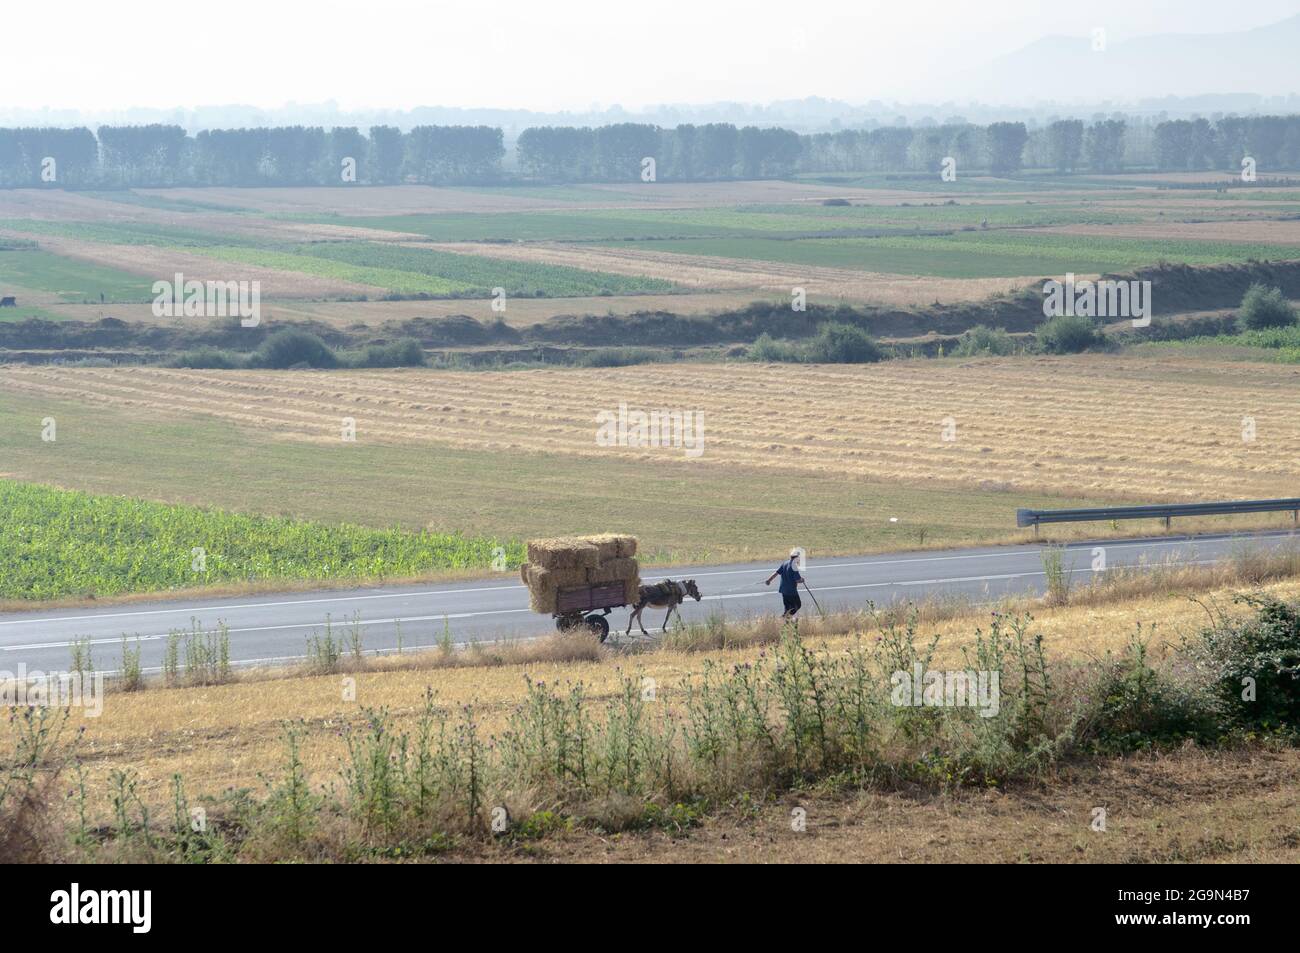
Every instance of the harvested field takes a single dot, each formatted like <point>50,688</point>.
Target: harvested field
<point>1131,427</point>
<point>1281,232</point>
<point>708,271</point>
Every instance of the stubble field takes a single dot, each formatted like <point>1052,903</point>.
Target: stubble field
<point>1122,428</point>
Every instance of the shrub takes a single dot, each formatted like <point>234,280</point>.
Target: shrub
<point>982,339</point>
<point>1253,664</point>
<point>404,352</point>
<point>1068,334</point>
<point>292,347</point>
<point>768,348</point>
<point>208,358</point>
<point>621,357</point>
<point>842,344</point>
<point>1264,307</point>
<point>1136,706</point>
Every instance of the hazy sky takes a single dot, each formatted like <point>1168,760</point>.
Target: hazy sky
<point>533,54</point>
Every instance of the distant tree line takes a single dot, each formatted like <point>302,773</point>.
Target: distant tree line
<point>160,155</point>
<point>1197,144</point>
<point>164,155</point>
<point>685,153</point>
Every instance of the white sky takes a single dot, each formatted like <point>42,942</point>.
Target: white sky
<point>541,54</point>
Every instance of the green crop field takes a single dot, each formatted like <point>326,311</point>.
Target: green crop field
<point>480,275</point>
<point>72,281</point>
<point>398,269</point>
<point>61,543</point>
<point>124,233</point>
<point>392,279</point>
<point>977,254</point>
<point>167,204</point>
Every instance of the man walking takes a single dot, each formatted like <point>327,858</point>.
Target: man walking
<point>790,579</point>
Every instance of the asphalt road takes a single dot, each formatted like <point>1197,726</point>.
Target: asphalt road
<point>275,628</point>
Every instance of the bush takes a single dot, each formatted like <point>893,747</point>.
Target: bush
<point>208,358</point>
<point>621,357</point>
<point>1135,706</point>
<point>1253,664</point>
<point>768,348</point>
<point>1068,334</point>
<point>1264,307</point>
<point>405,352</point>
<point>835,343</point>
<point>982,339</point>
<point>290,348</point>
<point>842,344</point>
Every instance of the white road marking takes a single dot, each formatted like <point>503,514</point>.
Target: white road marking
<point>193,610</point>
<point>767,593</point>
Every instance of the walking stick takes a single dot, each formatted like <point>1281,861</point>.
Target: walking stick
<point>814,599</point>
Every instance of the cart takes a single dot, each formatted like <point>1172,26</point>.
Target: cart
<point>588,606</point>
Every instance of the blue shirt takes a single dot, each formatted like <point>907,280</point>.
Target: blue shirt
<point>790,578</point>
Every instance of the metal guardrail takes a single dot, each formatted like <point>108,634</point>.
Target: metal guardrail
<point>1165,511</point>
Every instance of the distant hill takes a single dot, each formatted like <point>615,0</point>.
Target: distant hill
<point>1264,61</point>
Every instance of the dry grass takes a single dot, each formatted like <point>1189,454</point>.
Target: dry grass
<point>227,735</point>
<point>1143,428</point>
<point>1188,806</point>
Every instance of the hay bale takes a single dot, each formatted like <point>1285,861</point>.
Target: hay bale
<point>614,570</point>
<point>563,552</point>
<point>632,591</point>
<point>613,545</point>
<point>565,562</point>
<point>541,600</point>
<point>552,580</point>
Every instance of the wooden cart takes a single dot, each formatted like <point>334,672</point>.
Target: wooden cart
<point>588,606</point>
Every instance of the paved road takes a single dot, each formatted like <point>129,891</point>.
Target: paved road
<point>269,628</point>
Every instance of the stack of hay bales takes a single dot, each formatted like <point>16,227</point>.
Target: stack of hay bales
<point>563,562</point>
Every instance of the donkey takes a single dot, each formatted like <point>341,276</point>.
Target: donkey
<point>667,593</point>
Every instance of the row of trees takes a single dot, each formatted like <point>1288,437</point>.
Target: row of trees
<point>685,153</point>
<point>163,155</point>
<point>1197,144</point>
<point>160,155</point>
<point>1001,148</point>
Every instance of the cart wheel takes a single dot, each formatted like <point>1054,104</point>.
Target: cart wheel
<point>599,625</point>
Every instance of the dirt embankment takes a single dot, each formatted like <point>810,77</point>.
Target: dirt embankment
<point>1179,288</point>
<point>1175,289</point>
